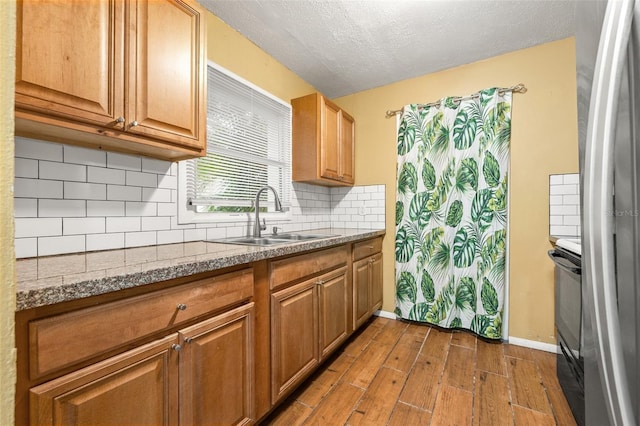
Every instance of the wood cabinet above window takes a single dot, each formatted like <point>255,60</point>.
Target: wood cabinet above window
<point>126,76</point>
<point>323,142</point>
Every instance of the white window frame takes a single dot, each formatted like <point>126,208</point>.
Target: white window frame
<point>188,215</point>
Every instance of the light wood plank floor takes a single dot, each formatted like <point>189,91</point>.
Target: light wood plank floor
<point>399,373</point>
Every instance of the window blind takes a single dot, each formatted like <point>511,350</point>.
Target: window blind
<point>248,147</point>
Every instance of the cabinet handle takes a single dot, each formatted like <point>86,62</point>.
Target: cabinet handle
<point>176,347</point>
<point>370,247</point>
<point>181,307</point>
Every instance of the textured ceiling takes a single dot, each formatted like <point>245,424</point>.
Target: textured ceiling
<point>346,46</point>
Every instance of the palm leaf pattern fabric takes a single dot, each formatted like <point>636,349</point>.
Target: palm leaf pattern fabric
<point>451,212</point>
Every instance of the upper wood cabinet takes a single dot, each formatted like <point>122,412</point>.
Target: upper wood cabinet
<point>323,142</point>
<point>127,76</point>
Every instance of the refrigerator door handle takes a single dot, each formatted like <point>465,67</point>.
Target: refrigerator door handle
<point>598,256</point>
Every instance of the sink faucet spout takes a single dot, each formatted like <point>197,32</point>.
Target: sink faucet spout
<point>257,226</point>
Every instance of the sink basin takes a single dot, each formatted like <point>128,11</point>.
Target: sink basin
<point>271,240</point>
<point>298,237</point>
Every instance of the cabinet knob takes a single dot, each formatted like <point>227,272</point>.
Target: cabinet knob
<point>133,124</point>
<point>120,120</point>
<point>188,340</point>
<point>319,282</point>
<point>176,347</point>
<point>370,247</point>
<point>181,307</point>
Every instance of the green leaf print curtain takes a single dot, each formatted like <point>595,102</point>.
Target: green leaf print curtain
<point>451,212</point>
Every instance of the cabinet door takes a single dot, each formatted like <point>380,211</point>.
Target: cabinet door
<point>376,282</point>
<point>294,336</point>
<point>138,387</point>
<point>167,71</point>
<point>361,285</point>
<point>216,370</point>
<point>347,138</point>
<point>69,59</point>
<point>333,310</point>
<point>329,140</point>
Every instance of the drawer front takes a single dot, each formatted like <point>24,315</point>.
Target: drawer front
<point>299,267</point>
<point>66,339</point>
<point>367,248</point>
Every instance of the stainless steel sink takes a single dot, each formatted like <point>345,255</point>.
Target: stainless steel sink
<point>271,240</point>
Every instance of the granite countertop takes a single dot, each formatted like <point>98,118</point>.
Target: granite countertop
<point>47,280</point>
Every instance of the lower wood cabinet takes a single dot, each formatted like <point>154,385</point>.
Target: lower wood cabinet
<point>138,387</point>
<point>308,321</point>
<point>367,280</point>
<point>216,370</point>
<point>201,375</point>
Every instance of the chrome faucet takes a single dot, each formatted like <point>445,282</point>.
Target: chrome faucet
<point>257,227</point>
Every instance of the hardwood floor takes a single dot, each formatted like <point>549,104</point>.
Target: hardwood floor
<point>400,373</point>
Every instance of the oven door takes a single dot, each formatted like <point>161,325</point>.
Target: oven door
<point>568,312</point>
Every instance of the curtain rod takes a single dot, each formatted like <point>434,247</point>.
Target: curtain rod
<point>518,88</point>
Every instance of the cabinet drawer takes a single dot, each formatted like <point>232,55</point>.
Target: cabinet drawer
<point>69,338</point>
<point>367,248</point>
<point>299,267</point>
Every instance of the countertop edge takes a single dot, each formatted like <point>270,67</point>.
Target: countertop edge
<point>58,291</point>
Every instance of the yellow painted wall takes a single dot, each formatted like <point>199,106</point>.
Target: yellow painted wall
<point>543,141</point>
<point>230,49</point>
<point>7,257</point>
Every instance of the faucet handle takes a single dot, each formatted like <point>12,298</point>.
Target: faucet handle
<point>275,230</point>
<point>263,226</point>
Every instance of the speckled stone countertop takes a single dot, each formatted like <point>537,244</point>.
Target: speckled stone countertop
<point>53,279</point>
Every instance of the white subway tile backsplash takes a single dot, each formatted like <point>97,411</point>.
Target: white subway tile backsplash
<point>156,195</point>
<point>141,179</point>
<point>37,227</point>
<point>132,203</point>
<point>25,207</point>
<point>168,237</point>
<point>85,191</point>
<point>563,210</point>
<point>83,225</point>
<point>62,208</point>
<point>152,165</point>
<point>79,155</point>
<point>137,239</point>
<point>555,200</point>
<point>564,205</point>
<point>168,182</point>
<point>123,161</point>
<point>195,234</point>
<point>26,247</point>
<point>573,178</point>
<point>37,150</point>
<point>37,188</point>
<point>562,230</point>
<point>105,241</point>
<point>140,209</point>
<point>25,168</point>
<point>156,223</point>
<point>124,193</point>
<point>123,224</point>
<point>48,246</point>
<point>104,175</point>
<point>556,180</point>
<point>105,208</point>
<point>62,171</point>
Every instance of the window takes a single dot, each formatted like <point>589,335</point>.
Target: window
<point>248,147</point>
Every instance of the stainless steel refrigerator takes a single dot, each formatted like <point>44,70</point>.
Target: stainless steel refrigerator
<point>608,72</point>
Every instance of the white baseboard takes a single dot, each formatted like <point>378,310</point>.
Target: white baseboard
<point>385,314</point>
<point>547,347</point>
